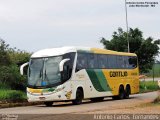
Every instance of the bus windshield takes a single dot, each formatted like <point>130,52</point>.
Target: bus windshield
<point>44,72</point>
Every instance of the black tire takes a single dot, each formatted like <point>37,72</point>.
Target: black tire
<point>79,97</point>
<point>127,92</point>
<point>121,94</point>
<point>115,97</point>
<point>48,104</point>
<point>99,99</point>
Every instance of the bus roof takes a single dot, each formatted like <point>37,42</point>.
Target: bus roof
<point>62,50</point>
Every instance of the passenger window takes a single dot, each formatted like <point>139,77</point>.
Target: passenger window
<point>81,61</point>
<point>102,61</point>
<point>68,66</point>
<point>112,62</point>
<point>132,61</point>
<point>120,62</point>
<point>126,64</point>
<point>92,64</point>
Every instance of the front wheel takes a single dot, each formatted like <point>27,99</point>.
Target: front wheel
<point>79,97</point>
<point>48,104</point>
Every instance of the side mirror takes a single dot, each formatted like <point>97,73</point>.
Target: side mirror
<point>61,64</point>
<point>22,67</point>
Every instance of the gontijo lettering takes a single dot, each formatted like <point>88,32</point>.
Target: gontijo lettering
<point>118,73</point>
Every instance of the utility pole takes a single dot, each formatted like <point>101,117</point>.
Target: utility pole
<point>153,71</point>
<point>127,24</point>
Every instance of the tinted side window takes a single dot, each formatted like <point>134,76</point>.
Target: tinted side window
<point>68,66</point>
<point>112,62</point>
<point>81,61</point>
<point>126,63</point>
<point>71,56</point>
<point>102,61</point>
<point>92,61</point>
<point>132,60</point>
<point>120,62</point>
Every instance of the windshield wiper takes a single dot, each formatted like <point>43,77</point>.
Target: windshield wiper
<point>46,77</point>
<point>40,73</point>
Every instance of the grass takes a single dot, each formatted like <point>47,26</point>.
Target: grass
<point>4,86</point>
<point>147,86</point>
<point>8,95</point>
<point>12,95</point>
<point>13,98</point>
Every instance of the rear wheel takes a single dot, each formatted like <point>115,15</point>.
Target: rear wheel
<point>127,92</point>
<point>121,92</point>
<point>48,104</point>
<point>120,95</point>
<point>115,97</point>
<point>79,97</point>
<point>97,99</point>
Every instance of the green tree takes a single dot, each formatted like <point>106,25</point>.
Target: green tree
<point>10,60</point>
<point>4,57</point>
<point>18,56</point>
<point>146,49</point>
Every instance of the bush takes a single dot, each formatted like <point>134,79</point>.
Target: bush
<point>4,86</point>
<point>10,76</point>
<point>16,95</point>
<point>10,61</point>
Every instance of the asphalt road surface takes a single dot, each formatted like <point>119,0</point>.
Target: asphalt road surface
<point>87,106</point>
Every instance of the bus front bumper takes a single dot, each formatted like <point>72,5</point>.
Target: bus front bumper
<point>58,96</point>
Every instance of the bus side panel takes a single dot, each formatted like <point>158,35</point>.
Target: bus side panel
<point>115,80</point>
<point>133,79</point>
<point>93,86</point>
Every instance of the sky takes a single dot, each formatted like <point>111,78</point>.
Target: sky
<point>32,25</point>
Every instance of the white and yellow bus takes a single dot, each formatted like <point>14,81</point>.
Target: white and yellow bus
<point>77,73</point>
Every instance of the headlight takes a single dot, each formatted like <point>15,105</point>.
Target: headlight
<point>59,89</point>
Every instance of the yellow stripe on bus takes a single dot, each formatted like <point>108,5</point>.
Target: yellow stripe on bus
<point>103,51</point>
<point>34,90</point>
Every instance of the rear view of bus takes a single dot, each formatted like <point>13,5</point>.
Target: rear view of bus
<point>77,73</point>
